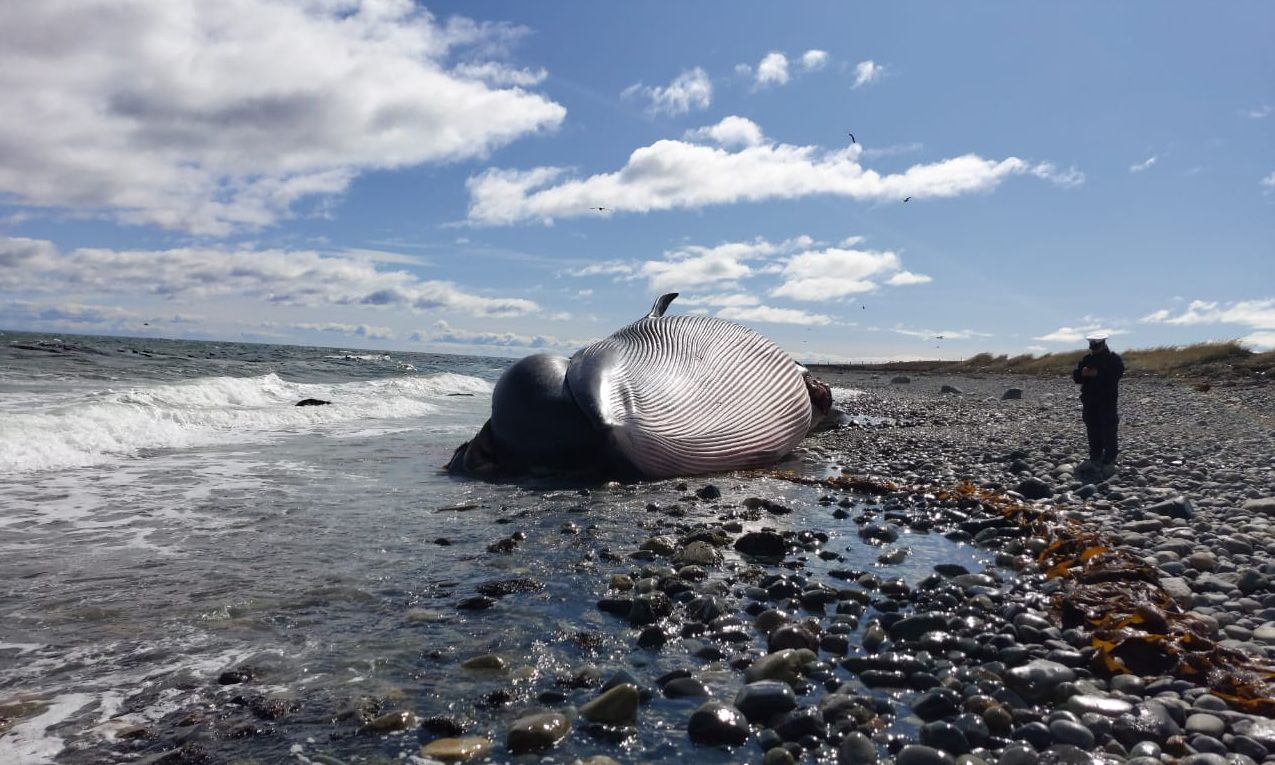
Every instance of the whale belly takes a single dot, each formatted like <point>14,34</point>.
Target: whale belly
<point>681,395</point>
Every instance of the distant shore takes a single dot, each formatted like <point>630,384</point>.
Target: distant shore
<point>1226,363</point>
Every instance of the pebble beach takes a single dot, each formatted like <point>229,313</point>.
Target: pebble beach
<point>964,665</point>
<point>920,585</point>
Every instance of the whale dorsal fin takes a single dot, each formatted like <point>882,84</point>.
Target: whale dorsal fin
<point>661,305</point>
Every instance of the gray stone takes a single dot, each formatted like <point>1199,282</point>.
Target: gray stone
<point>698,554</point>
<point>717,724</point>
<point>536,732</point>
<point>900,380</point>
<point>1106,706</point>
<point>1250,581</point>
<point>1037,679</point>
<point>1262,506</point>
<point>1018,754</point>
<point>617,706</point>
<point>456,749</point>
<point>1012,394</point>
<point>950,389</point>
<point>1034,488</point>
<point>858,749</point>
<point>1206,724</point>
<point>1071,732</point>
<point>1177,507</point>
<point>1265,633</point>
<point>763,544</point>
<point>915,754</point>
<point>782,665</point>
<point>1179,589</point>
<point>764,699</point>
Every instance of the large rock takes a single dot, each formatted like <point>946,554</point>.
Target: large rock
<point>1179,589</point>
<point>717,724</point>
<point>1034,488</point>
<point>617,706</point>
<point>1012,394</point>
<point>782,665</point>
<point>1263,506</point>
<point>764,699</point>
<point>456,749</point>
<point>536,732</point>
<point>1177,507</point>
<point>698,554</point>
<point>1150,721</point>
<point>1036,680</point>
<point>762,544</point>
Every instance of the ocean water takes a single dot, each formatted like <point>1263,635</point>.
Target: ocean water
<point>167,515</point>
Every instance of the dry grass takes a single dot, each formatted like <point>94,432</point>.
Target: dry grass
<point>1213,360</point>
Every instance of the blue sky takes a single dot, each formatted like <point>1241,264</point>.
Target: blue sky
<point>405,176</point>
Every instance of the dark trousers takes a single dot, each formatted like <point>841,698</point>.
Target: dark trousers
<point>1102,421</point>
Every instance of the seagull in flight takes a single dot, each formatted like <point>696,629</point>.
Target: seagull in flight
<point>852,138</point>
<point>907,199</point>
<point>599,209</point>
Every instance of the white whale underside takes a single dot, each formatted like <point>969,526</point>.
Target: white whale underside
<point>692,394</point>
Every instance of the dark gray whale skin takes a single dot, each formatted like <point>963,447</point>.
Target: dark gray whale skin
<point>663,396</point>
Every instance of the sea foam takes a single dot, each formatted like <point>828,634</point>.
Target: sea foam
<point>92,428</point>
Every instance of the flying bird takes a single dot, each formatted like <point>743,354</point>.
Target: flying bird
<point>852,138</point>
<point>938,337</point>
<point>599,209</point>
<point>907,199</point>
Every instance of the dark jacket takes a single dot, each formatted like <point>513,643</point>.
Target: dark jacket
<point>1103,389</point>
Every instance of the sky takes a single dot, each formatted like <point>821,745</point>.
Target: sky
<point>858,182</point>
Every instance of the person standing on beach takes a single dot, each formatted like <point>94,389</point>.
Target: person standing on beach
<point>1098,375</point>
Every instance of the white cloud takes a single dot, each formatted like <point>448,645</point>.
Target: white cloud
<point>1069,178</point>
<point>903,278</point>
<point>444,333</point>
<point>671,174</point>
<point>769,315</point>
<point>1140,166</point>
<point>867,72</point>
<point>352,330</point>
<point>1077,334</point>
<point>731,132</point>
<point>834,273</point>
<point>814,60</point>
<point>76,314</point>
<point>1269,181</point>
<point>690,90</point>
<point>1261,112</point>
<point>736,300</point>
<point>282,277</point>
<point>773,70</point>
<point>1260,340</point>
<point>1258,314</point>
<point>212,117</point>
<point>941,334</point>
<point>1036,349</point>
<point>501,75</point>
<point>606,268</point>
<point>697,266</point>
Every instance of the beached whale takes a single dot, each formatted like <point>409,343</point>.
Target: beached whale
<point>664,396</point>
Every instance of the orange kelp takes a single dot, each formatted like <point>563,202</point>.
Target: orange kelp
<point>1134,624</point>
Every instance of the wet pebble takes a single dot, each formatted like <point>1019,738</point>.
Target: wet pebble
<point>456,749</point>
<point>717,724</point>
<point>536,732</point>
